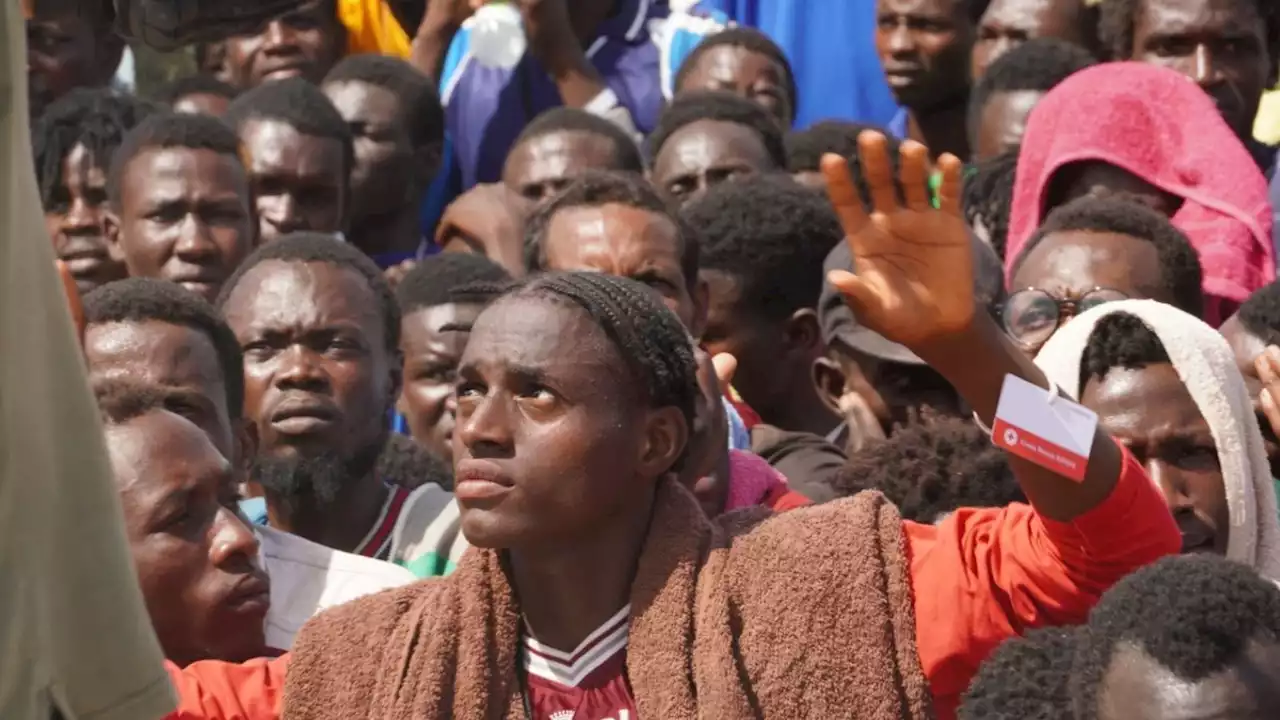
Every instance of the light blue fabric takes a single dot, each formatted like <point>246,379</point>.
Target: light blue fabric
<point>255,509</point>
<point>739,436</point>
<point>831,46</point>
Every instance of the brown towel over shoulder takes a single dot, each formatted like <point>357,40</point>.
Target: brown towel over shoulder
<point>807,614</point>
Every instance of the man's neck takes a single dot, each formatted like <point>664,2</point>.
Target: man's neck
<point>568,591</point>
<point>805,412</point>
<point>398,231</point>
<point>942,128</point>
<point>341,524</point>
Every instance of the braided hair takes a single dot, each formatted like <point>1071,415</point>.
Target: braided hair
<point>96,119</point>
<point>649,337</point>
<point>988,196</point>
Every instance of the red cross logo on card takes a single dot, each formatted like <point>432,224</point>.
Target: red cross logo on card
<point>1044,428</point>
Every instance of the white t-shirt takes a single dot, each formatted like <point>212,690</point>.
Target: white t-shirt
<point>73,629</point>
<point>307,577</point>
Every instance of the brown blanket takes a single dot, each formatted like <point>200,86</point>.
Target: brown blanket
<point>803,615</point>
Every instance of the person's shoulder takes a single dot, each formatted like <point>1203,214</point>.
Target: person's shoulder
<point>805,534</point>
<point>368,573</point>
<point>364,621</point>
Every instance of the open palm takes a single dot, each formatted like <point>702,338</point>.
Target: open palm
<point>914,281</point>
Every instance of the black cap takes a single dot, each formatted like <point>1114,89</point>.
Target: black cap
<point>839,323</point>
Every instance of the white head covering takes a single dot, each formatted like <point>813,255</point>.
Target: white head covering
<point>1206,365</point>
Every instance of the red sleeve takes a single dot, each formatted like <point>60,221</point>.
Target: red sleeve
<point>782,499</point>
<point>213,690</point>
<point>984,575</point>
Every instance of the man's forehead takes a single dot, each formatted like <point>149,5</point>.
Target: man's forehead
<point>156,349</point>
<point>288,292</point>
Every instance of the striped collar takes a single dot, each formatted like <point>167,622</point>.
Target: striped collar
<point>571,668</point>
<point>377,543</point>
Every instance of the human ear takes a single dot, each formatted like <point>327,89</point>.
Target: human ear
<point>802,332</point>
<point>666,433</point>
<point>829,379</point>
<point>111,227</point>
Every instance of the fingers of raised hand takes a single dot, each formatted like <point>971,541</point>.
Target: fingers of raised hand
<point>952,171</point>
<point>877,168</point>
<point>725,366</point>
<point>913,172</point>
<point>860,296</point>
<point>1268,366</point>
<point>843,194</point>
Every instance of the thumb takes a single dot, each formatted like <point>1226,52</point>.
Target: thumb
<point>857,294</point>
<point>726,365</point>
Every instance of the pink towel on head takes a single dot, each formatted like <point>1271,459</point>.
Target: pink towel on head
<point>1158,125</point>
<point>751,480</point>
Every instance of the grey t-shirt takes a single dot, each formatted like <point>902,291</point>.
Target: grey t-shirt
<point>74,633</point>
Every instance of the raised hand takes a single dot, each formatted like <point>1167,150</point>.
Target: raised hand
<point>914,281</point>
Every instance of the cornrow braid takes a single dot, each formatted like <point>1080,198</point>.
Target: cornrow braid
<point>649,337</point>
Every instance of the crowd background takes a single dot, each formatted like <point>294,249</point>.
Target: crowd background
<point>583,359</point>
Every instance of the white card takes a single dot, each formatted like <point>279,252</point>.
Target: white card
<point>1048,430</point>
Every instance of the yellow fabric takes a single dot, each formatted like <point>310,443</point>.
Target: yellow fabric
<point>373,28</point>
<point>1266,127</point>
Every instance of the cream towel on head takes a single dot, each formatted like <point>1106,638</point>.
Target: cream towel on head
<point>1205,363</point>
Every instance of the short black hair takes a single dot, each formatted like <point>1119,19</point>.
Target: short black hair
<point>751,40</point>
<point>649,337</point>
<point>98,119</point>
<point>1038,65</point>
<point>1026,678</point>
<point>601,187</point>
<point>435,280</point>
<point>721,107</point>
<point>1195,615</point>
<point>805,148</point>
<point>168,129</point>
<point>424,115</point>
<point>298,104</point>
<point>1260,313</point>
<point>772,235</point>
<point>932,466</point>
<point>407,464</point>
<point>121,401</point>
<point>139,300</point>
<point>1118,18</point>
<point>1120,340</point>
<point>1180,270</point>
<point>312,247</point>
<point>626,153</point>
<point>987,196</point>
<point>198,84</point>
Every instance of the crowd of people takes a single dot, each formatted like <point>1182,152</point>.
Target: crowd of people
<point>441,385</point>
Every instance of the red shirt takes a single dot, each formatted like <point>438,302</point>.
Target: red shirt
<point>980,577</point>
<point>588,683</point>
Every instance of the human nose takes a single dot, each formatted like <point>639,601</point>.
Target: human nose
<point>484,426</point>
<point>900,39</point>
<point>1171,485</point>
<point>278,36</point>
<point>299,369</point>
<point>1204,67</point>
<point>194,244</point>
<point>233,540</point>
<point>82,216</point>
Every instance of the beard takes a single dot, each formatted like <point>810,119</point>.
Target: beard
<point>316,479</point>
